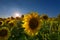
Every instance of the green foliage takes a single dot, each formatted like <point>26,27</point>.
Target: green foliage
<point>46,32</point>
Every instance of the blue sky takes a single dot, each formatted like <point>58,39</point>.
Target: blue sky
<point>49,7</point>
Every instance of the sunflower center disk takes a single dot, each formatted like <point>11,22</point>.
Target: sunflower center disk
<point>3,33</point>
<point>11,24</point>
<point>45,17</point>
<point>7,21</point>
<point>0,23</point>
<point>33,23</point>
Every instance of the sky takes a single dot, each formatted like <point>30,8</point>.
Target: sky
<point>10,7</point>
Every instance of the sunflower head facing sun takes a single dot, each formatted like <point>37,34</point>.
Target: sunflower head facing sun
<point>32,24</point>
<point>4,33</point>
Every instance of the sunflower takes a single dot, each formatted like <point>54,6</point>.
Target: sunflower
<point>7,21</point>
<point>17,18</point>
<point>12,24</point>
<point>1,23</point>
<point>22,17</point>
<point>1,19</point>
<point>4,33</point>
<point>44,17</point>
<point>32,24</point>
<point>12,18</point>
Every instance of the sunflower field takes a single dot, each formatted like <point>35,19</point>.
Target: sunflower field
<point>30,26</point>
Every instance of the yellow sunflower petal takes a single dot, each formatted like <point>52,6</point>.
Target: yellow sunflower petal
<point>32,24</point>
<point>44,17</point>
<point>4,33</point>
<point>1,23</point>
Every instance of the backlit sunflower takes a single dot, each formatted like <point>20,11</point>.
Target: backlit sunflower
<point>12,24</point>
<point>1,19</point>
<point>7,21</point>
<point>32,24</point>
<point>22,17</point>
<point>44,17</point>
<point>4,33</point>
<point>1,23</point>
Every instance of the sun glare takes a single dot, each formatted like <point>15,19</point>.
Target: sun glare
<point>17,14</point>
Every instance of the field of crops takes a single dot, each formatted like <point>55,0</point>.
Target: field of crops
<point>30,26</point>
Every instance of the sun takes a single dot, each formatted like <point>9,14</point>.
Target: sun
<point>17,14</point>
